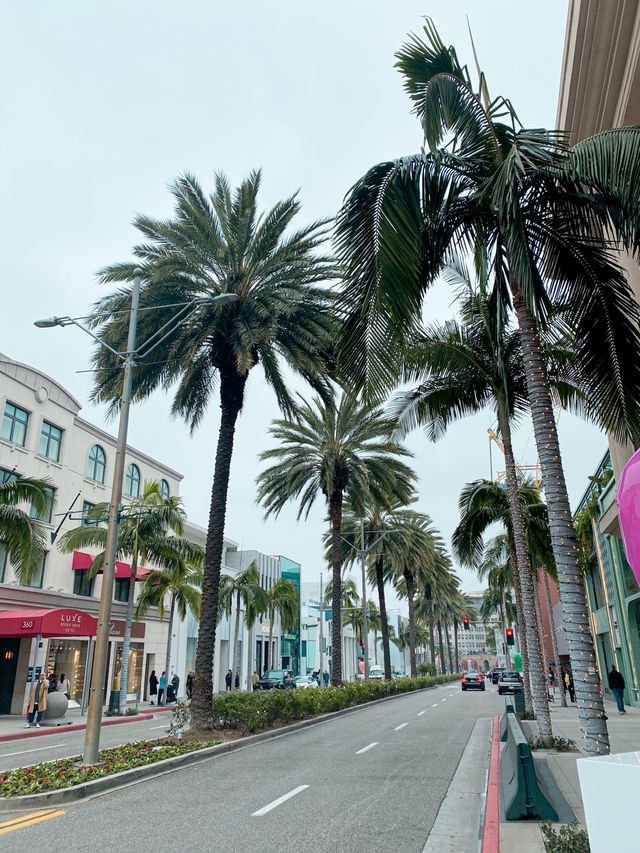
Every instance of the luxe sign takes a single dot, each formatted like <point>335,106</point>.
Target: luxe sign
<point>628,500</point>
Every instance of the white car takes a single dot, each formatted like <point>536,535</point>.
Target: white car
<point>305,681</point>
<point>376,673</point>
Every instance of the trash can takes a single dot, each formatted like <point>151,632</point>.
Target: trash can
<point>114,702</point>
<point>518,701</point>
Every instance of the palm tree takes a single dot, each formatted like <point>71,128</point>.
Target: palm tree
<point>22,536</point>
<point>402,641</point>
<point>282,599</point>
<point>242,589</point>
<point>219,244</point>
<point>143,533</point>
<point>546,215</point>
<point>341,448</point>
<point>497,570</point>
<point>181,581</point>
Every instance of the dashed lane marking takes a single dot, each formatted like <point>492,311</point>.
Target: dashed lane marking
<point>283,799</point>
<point>368,747</point>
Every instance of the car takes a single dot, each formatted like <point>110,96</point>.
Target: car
<point>376,673</point>
<point>496,672</point>
<point>472,681</point>
<point>510,682</point>
<point>305,681</point>
<point>276,679</point>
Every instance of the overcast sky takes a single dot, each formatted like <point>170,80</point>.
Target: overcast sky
<point>103,104</point>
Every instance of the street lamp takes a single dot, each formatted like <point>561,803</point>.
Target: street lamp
<point>128,359</point>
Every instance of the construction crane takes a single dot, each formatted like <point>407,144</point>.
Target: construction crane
<point>524,472</point>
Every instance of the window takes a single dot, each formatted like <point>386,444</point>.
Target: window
<point>121,589</point>
<point>36,580</point>
<point>50,441</point>
<point>164,489</point>
<point>3,561</point>
<point>14,424</point>
<point>96,464</point>
<point>87,506</point>
<point>132,481</point>
<point>47,516</point>
<point>82,585</point>
<point>6,475</point>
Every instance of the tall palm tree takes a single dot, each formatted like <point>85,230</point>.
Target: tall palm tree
<point>497,570</point>
<point>212,245</point>
<point>181,582</point>
<point>244,591</point>
<point>22,536</point>
<point>341,448</point>
<point>282,599</point>
<point>547,215</point>
<point>143,532</point>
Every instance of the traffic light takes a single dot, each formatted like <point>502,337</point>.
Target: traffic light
<point>465,623</point>
<point>509,636</point>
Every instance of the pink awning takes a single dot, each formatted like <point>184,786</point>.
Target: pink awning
<point>57,622</point>
<point>82,561</point>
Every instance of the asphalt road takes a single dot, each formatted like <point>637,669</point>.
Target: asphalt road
<point>370,781</point>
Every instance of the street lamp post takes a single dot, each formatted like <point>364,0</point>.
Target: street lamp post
<point>128,358</point>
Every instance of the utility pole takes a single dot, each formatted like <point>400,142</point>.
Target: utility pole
<point>365,618</point>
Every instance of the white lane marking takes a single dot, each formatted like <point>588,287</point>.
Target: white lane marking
<point>166,726</point>
<point>401,726</point>
<point>421,713</point>
<point>445,698</point>
<point>435,706</point>
<point>37,749</point>
<point>368,747</point>
<point>279,801</point>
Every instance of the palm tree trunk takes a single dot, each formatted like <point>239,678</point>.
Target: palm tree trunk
<point>167,660</point>
<point>272,619</point>
<point>522,634</point>
<point>443,663</point>
<point>455,644</point>
<point>575,615</point>
<point>554,638</point>
<point>231,396</point>
<point>449,655</point>
<point>250,645</point>
<point>522,567</point>
<point>126,639</point>
<point>236,644</point>
<point>409,581</point>
<point>335,515</point>
<point>384,622</point>
<point>432,636</point>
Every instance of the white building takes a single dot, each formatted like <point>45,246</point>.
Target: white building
<point>43,436</point>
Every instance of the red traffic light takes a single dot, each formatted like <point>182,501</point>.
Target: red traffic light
<point>465,623</point>
<point>509,636</point>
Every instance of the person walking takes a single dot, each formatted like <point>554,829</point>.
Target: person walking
<point>227,680</point>
<point>255,678</point>
<point>237,681</point>
<point>175,684</point>
<point>64,686</point>
<point>37,701</point>
<point>153,687</point>
<point>189,685</point>
<point>617,685</point>
<point>53,683</point>
<point>570,685</point>
<point>162,685</point>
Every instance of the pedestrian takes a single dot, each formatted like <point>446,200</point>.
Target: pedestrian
<point>37,701</point>
<point>175,683</point>
<point>325,678</point>
<point>161,686</point>
<point>153,687</point>
<point>64,686</point>
<point>551,677</point>
<point>53,683</point>
<point>616,685</point>
<point>237,681</point>
<point>570,685</point>
<point>227,680</point>
<point>255,678</point>
<point>189,685</point>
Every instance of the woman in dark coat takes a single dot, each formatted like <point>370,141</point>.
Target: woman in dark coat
<point>153,687</point>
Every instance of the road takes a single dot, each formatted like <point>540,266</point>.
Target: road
<point>372,780</point>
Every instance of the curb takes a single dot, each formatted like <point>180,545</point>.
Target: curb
<point>491,830</point>
<point>127,777</point>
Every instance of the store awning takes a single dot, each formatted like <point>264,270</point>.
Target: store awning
<point>57,622</point>
<point>82,561</point>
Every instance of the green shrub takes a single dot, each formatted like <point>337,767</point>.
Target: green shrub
<point>427,668</point>
<point>570,838</point>
<point>252,712</point>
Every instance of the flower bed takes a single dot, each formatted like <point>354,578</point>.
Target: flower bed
<point>252,712</point>
<point>66,772</point>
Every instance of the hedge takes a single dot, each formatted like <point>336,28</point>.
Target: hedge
<point>263,709</point>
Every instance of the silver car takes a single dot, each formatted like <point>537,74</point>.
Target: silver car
<point>305,681</point>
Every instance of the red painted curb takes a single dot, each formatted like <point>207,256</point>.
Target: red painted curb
<point>491,830</point>
<point>58,730</point>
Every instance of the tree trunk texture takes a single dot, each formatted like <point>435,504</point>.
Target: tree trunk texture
<point>537,673</point>
<point>409,581</point>
<point>432,637</point>
<point>522,635</point>
<point>236,644</point>
<point>554,638</point>
<point>335,515</point>
<point>384,622</point>
<point>126,639</point>
<point>575,614</point>
<point>167,660</point>
<point>270,657</point>
<point>231,396</point>
<point>443,664</point>
<point>449,655</point>
<point>455,644</point>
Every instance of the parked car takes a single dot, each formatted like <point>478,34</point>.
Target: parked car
<point>305,681</point>
<point>472,681</point>
<point>510,682</point>
<point>276,679</point>
<point>496,672</point>
<point>376,673</point>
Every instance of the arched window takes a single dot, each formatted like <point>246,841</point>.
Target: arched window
<point>132,481</point>
<point>164,489</point>
<point>96,464</point>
